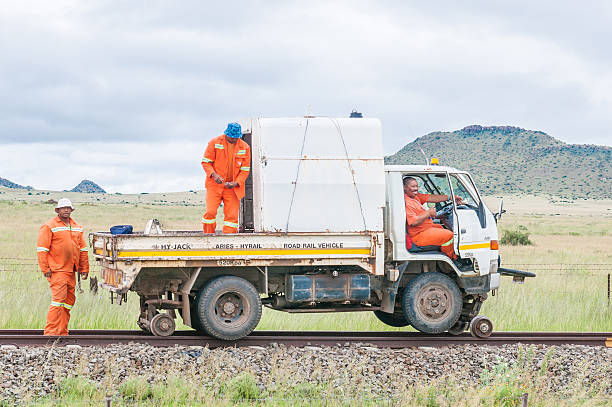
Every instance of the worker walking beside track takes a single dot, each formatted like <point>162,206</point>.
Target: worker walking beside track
<point>226,161</point>
<point>62,251</point>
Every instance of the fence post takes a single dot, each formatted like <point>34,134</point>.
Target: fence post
<point>524,400</point>
<point>109,401</point>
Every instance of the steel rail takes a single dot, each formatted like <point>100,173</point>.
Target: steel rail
<point>396,340</point>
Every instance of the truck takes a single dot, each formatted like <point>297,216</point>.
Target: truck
<point>322,229</point>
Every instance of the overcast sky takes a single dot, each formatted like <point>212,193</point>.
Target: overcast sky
<point>128,93</point>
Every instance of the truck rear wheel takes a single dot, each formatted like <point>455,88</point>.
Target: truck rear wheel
<point>397,319</point>
<point>432,302</point>
<point>195,319</point>
<point>228,308</point>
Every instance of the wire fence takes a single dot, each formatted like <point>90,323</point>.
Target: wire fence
<point>23,264</point>
<point>585,268</point>
<point>601,271</point>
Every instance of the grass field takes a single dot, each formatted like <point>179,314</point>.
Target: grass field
<point>571,254</point>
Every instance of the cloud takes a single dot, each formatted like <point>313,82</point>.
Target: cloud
<point>126,167</point>
<point>111,75</point>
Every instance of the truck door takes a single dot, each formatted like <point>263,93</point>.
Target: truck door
<point>440,184</point>
<point>472,239</point>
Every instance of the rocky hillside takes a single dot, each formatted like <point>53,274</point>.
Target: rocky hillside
<point>9,184</point>
<point>88,187</point>
<point>506,159</point>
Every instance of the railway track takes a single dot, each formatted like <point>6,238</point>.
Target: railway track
<point>34,337</point>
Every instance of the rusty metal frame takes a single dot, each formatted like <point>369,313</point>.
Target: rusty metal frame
<point>185,291</point>
<point>265,275</point>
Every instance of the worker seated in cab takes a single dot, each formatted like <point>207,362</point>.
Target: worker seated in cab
<point>420,226</point>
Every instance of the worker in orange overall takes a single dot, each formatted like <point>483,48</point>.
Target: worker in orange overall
<point>421,228</point>
<point>62,251</point>
<point>226,161</point>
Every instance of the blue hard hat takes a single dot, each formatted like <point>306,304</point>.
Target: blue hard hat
<point>233,130</point>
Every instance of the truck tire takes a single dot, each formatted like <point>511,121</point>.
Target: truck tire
<point>228,308</point>
<point>432,302</point>
<point>195,319</point>
<point>397,319</point>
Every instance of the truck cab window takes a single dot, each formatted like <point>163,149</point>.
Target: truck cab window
<point>441,184</point>
<point>436,184</point>
<point>462,186</point>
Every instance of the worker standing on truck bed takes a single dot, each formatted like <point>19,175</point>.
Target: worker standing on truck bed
<point>62,251</point>
<point>421,228</point>
<point>226,161</point>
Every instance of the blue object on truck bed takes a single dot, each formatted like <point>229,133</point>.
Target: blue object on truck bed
<point>121,230</point>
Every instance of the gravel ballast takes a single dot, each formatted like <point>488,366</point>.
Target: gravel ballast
<point>36,372</point>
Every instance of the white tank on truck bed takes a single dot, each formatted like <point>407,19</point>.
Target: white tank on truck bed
<point>317,174</point>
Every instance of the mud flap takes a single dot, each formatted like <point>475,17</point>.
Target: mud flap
<point>390,292</point>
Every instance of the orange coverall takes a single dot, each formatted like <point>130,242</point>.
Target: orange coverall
<point>233,163</point>
<point>427,233</point>
<point>62,250</point>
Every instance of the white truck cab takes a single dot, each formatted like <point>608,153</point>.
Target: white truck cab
<point>322,229</point>
<point>472,223</point>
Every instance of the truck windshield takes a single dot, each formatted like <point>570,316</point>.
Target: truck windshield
<point>439,183</point>
<point>463,187</point>
<point>436,184</point>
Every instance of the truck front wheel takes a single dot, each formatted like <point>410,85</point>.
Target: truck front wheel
<point>432,302</point>
<point>397,319</point>
<point>228,308</point>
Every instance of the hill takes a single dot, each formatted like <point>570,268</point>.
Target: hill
<point>88,187</point>
<point>511,160</point>
<point>9,184</point>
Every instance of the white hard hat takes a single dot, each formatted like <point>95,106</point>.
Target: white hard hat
<point>64,202</point>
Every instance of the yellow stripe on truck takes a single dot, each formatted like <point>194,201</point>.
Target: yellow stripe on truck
<point>474,246</point>
<point>216,253</point>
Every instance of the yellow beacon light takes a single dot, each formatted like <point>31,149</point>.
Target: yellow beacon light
<point>434,161</point>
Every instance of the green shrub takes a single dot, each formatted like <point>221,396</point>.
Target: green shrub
<point>504,383</point>
<point>77,388</point>
<point>135,389</point>
<point>516,237</point>
<point>307,390</point>
<point>176,391</point>
<point>242,387</point>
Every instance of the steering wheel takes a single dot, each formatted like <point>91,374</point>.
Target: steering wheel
<point>443,205</point>
<point>445,211</point>
<point>446,216</point>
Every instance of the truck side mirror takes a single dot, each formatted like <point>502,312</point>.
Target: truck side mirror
<point>500,210</point>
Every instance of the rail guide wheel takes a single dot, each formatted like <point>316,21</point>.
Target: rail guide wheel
<point>162,325</point>
<point>144,322</point>
<point>481,327</point>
